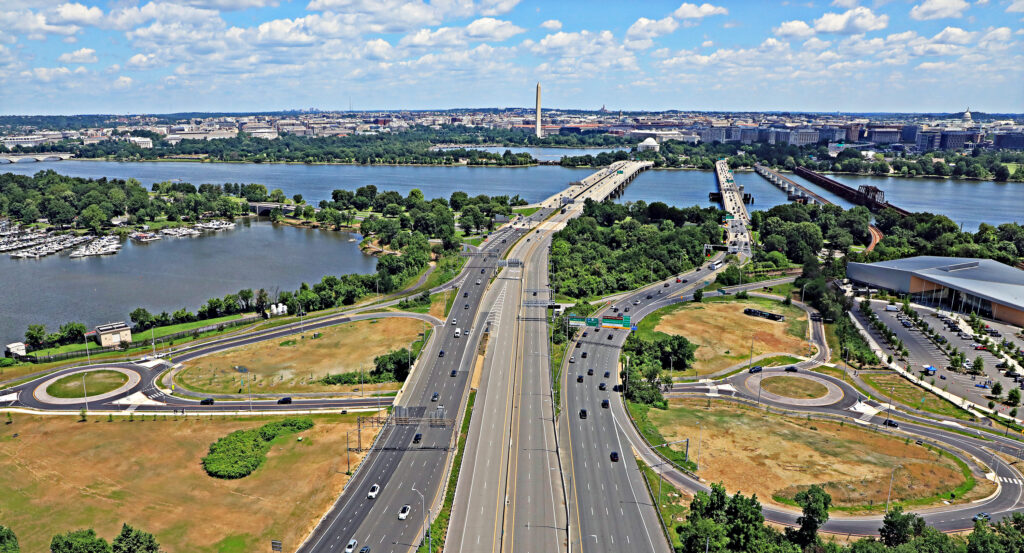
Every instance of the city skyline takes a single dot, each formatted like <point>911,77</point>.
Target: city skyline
<point>267,55</point>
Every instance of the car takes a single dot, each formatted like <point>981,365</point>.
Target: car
<point>636,302</point>
<point>417,438</point>
<point>572,359</point>
<point>626,310</point>
<point>590,372</point>
<point>579,378</point>
<point>607,374</point>
<point>503,240</point>
<point>465,294</point>
<point>605,404</point>
<point>206,401</point>
<point>610,335</point>
<point>615,310</point>
<point>284,401</point>
<point>755,369</point>
<point>614,456</point>
<point>890,422</point>
<point>685,281</point>
<point>649,296</point>
<point>466,306</point>
<point>678,279</point>
<point>454,373</point>
<point>403,513</point>
<point>982,516</point>
<point>585,334</point>
<point>918,442</point>
<point>981,347</point>
<point>583,413</point>
<point>791,369</point>
<point>365,549</point>
<point>435,397</point>
<point>602,386</point>
<point>440,353</point>
<point>351,547</point>
<point>374,492</point>
<point>478,282</point>
<point>482,271</point>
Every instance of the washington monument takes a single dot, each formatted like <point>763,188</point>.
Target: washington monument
<point>538,131</point>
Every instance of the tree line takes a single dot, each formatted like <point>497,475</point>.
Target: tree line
<point>129,540</point>
<point>613,247</point>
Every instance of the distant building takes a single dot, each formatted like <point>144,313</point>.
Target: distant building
<point>648,145</point>
<point>963,284</point>
<point>803,137</point>
<point>954,140</point>
<point>25,141</point>
<point>1010,141</point>
<point>883,135</point>
<point>113,334</point>
<point>141,142</point>
<point>967,119</point>
<point>928,140</point>
<point>909,133</point>
<point>712,134</point>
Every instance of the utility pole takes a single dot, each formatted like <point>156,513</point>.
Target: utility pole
<point>348,455</point>
<point>889,495</point>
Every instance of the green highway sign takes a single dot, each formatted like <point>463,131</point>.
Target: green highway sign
<point>593,321</point>
<point>583,321</point>
<point>616,322</point>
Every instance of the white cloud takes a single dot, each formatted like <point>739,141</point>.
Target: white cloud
<point>46,74</point>
<point>854,21</point>
<point>83,55</point>
<point>651,28</point>
<point>33,24</point>
<point>142,61</point>
<point>165,13</point>
<point>693,11</point>
<point>228,5</point>
<point>122,82</point>
<point>938,9</point>
<point>845,3</point>
<point>707,44</point>
<point>488,28</point>
<point>554,24</point>
<point>1017,6</point>
<point>377,49</point>
<point>953,35</point>
<point>815,43</point>
<point>794,28</point>
<point>77,13</point>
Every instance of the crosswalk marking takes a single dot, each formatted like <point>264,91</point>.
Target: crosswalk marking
<point>1010,480</point>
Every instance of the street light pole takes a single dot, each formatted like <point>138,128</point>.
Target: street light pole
<point>88,358</point>
<point>889,495</point>
<point>85,394</point>
<point>426,519</point>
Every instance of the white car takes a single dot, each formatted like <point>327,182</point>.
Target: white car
<point>351,547</point>
<point>404,512</point>
<point>374,490</point>
<point>453,322</point>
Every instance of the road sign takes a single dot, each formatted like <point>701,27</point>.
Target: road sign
<point>616,322</point>
<point>577,321</point>
<point>593,321</point>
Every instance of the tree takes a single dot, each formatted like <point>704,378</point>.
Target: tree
<point>978,366</point>
<point>72,333</point>
<point>1013,397</point>
<point>142,318</point>
<point>132,540</point>
<point>262,300</point>
<point>471,218</point>
<point>35,336</point>
<point>997,389</point>
<point>899,528</point>
<point>245,296</point>
<point>79,541</point>
<point>815,502</point>
<point>297,198</point>
<point>698,296</point>
<point>93,218</point>
<point>8,541</point>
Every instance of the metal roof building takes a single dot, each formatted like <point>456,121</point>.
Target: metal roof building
<point>984,286</point>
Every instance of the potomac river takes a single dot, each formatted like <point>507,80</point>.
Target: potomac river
<point>174,273</point>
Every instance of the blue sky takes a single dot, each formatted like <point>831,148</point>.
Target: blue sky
<point>131,56</point>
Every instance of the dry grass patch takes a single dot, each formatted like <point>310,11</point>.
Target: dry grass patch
<point>901,390</point>
<point>723,332</point>
<point>775,456</point>
<point>94,382</point>
<point>794,387</point>
<point>296,364</point>
<point>148,474</point>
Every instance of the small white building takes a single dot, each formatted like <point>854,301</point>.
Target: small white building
<point>649,144</point>
<point>15,348</point>
<point>113,334</point>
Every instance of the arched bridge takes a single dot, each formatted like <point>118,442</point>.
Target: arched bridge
<point>44,156</point>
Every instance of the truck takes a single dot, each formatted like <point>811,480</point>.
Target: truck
<point>458,332</point>
<point>892,308</point>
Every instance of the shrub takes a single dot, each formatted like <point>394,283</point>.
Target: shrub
<point>241,452</point>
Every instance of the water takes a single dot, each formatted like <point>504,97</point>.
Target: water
<point>548,154</point>
<point>169,274</point>
<point>315,182</point>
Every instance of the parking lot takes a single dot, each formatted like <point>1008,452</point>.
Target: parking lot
<point>924,352</point>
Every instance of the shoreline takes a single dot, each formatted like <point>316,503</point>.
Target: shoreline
<point>541,164</point>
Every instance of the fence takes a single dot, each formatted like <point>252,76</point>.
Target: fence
<point>136,343</point>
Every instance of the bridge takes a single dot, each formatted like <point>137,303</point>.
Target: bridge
<point>611,181</point>
<point>730,195</point>
<point>795,191</point>
<point>44,156</point>
<point>865,195</point>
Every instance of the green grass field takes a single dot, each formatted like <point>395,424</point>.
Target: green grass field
<point>95,382</point>
<point>159,332</point>
<point>907,393</point>
<point>525,211</point>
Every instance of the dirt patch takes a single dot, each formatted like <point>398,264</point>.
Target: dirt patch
<point>295,364</point>
<point>773,455</point>
<point>794,387</point>
<point>723,332</point>
<point>147,473</point>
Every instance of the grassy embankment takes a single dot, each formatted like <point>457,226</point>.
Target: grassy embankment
<point>670,504</point>
<point>85,482</point>
<point>889,384</point>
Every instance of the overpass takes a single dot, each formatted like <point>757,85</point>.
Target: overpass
<point>44,156</point>
<point>795,191</point>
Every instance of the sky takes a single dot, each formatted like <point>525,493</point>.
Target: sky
<point>161,56</point>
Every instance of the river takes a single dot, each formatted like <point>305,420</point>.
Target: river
<point>170,274</point>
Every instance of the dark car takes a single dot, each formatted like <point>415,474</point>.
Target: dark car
<point>466,306</point>
<point>465,294</point>
<point>454,373</point>
<point>417,438</point>
<point>440,353</point>
<point>583,413</point>
<point>602,386</point>
<point>435,397</point>
<point>590,372</point>
<point>665,286</point>
<point>615,456</point>
<point>607,374</point>
<point>482,271</point>
<point>284,401</point>
<point>585,334</point>
<point>605,404</point>
<point>685,281</point>
<point>649,296</point>
<point>365,549</point>
<point>206,401</point>
<point>791,369</point>
<point>610,335</point>
<point>626,310</point>
<point>583,355</point>
<point>579,378</point>
<point>579,344</point>
<point>890,422</point>
<point>755,369</point>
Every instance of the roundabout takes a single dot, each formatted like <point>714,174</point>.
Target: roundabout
<point>793,389</point>
<point>42,392</point>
